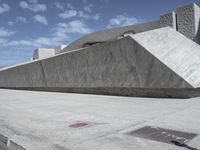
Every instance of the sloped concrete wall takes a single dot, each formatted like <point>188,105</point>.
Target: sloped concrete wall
<point>112,64</point>
<point>25,75</point>
<point>120,63</point>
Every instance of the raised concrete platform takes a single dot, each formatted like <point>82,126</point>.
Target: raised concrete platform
<point>60,121</point>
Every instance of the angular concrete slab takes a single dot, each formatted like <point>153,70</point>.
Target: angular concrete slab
<point>173,49</point>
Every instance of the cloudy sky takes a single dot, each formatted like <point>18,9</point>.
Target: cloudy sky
<point>29,24</point>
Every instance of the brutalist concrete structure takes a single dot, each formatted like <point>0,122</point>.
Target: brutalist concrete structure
<point>159,59</point>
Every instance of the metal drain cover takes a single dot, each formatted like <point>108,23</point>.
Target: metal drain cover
<point>163,135</point>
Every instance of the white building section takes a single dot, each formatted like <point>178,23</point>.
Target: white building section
<point>41,53</point>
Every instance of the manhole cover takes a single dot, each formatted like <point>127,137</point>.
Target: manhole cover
<point>78,125</point>
<point>163,135</point>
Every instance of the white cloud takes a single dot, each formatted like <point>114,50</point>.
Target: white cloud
<point>68,14</point>
<point>18,19</point>
<point>3,41</point>
<point>84,15</point>
<point>21,19</point>
<point>88,8</point>
<point>122,20</point>
<point>84,1</point>
<point>33,5</point>
<point>96,17</point>
<point>75,26</point>
<point>21,42</point>
<point>58,36</point>
<point>81,14</point>
<point>58,5</point>
<point>5,32</point>
<point>4,7</point>
<point>11,23</point>
<point>69,6</point>
<point>40,19</point>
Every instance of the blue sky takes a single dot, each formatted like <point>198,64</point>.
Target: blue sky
<point>28,24</point>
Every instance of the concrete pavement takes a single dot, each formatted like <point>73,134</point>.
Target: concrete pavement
<point>63,121</point>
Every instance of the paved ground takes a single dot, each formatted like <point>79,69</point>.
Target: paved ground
<point>61,121</point>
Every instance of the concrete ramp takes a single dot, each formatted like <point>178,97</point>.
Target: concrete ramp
<point>173,49</point>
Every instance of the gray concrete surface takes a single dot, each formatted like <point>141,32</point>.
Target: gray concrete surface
<point>54,121</point>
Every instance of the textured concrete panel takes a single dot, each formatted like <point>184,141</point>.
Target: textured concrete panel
<point>110,34</point>
<point>197,18</point>
<point>188,20</point>
<point>168,20</point>
<point>25,75</point>
<point>179,53</point>
<point>197,38</point>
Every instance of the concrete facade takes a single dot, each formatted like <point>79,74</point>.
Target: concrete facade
<point>188,20</point>
<point>41,53</point>
<point>168,20</point>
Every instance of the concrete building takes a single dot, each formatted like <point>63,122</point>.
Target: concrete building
<point>188,20</point>
<point>147,59</point>
<point>41,53</point>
